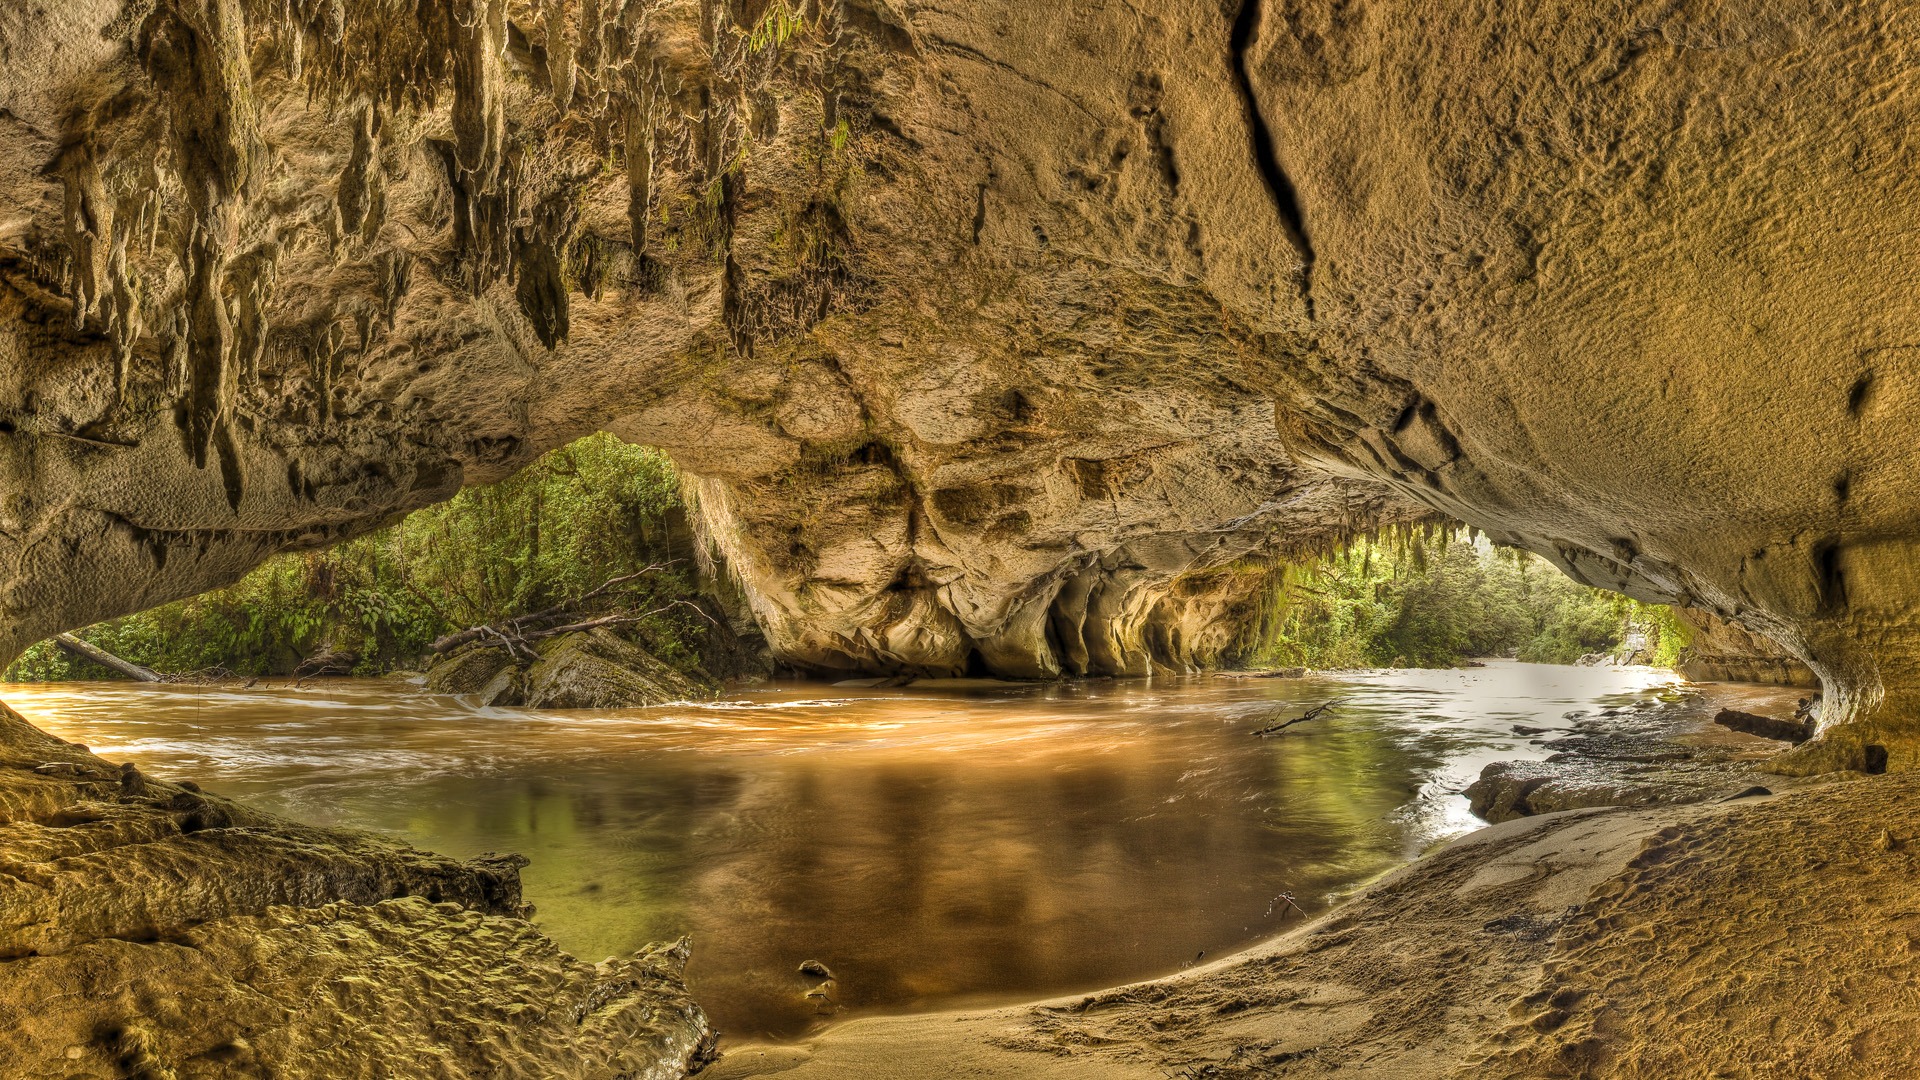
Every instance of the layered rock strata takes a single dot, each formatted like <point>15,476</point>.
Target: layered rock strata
<point>150,929</point>
<point>1721,651</point>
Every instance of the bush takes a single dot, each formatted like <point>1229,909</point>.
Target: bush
<point>1432,598</point>
<point>582,514</point>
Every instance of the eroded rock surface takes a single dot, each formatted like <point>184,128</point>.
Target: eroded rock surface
<point>1647,754</point>
<point>1720,651</point>
<point>150,929</point>
<point>390,251</point>
<point>981,330</point>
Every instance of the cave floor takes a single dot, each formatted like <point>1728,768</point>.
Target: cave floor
<point>1763,937</point>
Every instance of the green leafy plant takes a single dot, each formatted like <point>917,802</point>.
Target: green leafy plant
<point>1434,599</point>
<point>577,517</point>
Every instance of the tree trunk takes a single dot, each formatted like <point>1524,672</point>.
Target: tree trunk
<point>105,659</point>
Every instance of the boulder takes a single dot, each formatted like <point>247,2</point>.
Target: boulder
<point>598,669</point>
<point>482,669</point>
<point>592,669</point>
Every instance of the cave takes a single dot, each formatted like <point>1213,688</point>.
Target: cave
<point>987,344</point>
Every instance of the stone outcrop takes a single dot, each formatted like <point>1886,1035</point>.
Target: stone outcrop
<point>588,669</point>
<point>932,430</point>
<point>1647,754</point>
<point>981,330</point>
<point>150,929</point>
<point>1720,651</point>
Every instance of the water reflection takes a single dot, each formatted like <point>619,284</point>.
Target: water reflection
<point>930,848</point>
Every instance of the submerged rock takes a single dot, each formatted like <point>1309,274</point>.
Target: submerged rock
<point>150,929</point>
<point>592,669</point>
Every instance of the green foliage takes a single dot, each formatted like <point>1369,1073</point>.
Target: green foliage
<point>778,26</point>
<point>583,514</point>
<point>1433,599</point>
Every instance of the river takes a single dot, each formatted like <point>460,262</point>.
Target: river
<point>933,847</point>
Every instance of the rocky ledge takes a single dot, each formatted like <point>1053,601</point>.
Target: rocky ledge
<point>1649,753</point>
<point>149,929</point>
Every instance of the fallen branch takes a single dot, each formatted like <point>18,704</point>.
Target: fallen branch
<point>86,650</point>
<point>519,624</point>
<point>613,620</point>
<point>515,647</point>
<point>1311,714</point>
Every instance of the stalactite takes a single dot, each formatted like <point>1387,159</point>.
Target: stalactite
<point>251,283</point>
<point>89,226</point>
<point>641,119</point>
<point>560,75</point>
<point>209,343</point>
<point>479,120</point>
<point>396,277</point>
<point>196,54</point>
<point>327,346</point>
<point>483,215</point>
<point>126,325</point>
<point>541,251</point>
<point>361,198</point>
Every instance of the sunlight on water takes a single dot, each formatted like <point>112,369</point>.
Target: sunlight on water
<point>932,848</point>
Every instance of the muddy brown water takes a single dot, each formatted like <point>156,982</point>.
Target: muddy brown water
<point>932,847</point>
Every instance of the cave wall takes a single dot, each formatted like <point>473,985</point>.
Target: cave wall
<point>982,331</point>
<point>1720,651</point>
<point>388,252</point>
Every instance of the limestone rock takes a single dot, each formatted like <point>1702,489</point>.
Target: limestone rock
<point>600,670</point>
<point>980,330</point>
<point>482,669</point>
<point>150,929</point>
<point>1721,651</point>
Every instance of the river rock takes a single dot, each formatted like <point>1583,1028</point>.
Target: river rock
<point>598,669</point>
<point>591,669</point>
<point>1629,755</point>
<point>480,668</point>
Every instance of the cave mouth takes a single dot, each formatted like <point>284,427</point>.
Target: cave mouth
<point>839,844</point>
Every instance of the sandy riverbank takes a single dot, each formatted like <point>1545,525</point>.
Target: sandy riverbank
<point>1763,937</point>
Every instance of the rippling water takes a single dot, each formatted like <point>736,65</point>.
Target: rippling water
<point>932,847</point>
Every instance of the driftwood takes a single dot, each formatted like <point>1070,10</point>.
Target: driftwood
<point>328,662</point>
<point>1271,673</point>
<point>1314,713</point>
<point>1794,731</point>
<point>88,651</point>
<point>525,627</point>
<point>517,635</point>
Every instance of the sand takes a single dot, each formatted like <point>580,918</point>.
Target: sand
<point>1764,937</point>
